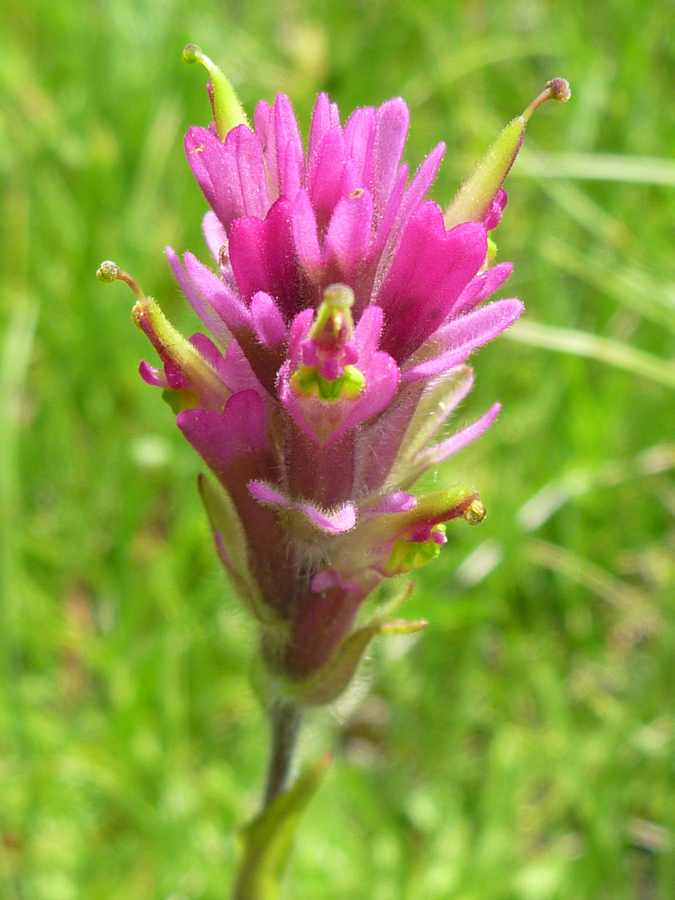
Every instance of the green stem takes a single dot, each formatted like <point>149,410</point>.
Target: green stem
<point>268,838</point>
<point>285,722</point>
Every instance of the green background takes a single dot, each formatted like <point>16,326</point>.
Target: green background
<point>523,747</point>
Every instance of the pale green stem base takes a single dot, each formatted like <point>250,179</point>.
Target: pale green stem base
<point>285,722</point>
<point>268,839</point>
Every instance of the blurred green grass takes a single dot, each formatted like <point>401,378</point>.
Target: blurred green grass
<point>523,748</point>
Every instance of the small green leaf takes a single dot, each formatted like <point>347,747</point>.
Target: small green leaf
<point>268,839</point>
<point>331,681</point>
<point>231,543</point>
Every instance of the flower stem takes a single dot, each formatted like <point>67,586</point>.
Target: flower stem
<point>285,722</point>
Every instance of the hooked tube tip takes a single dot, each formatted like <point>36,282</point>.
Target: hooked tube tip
<point>556,89</point>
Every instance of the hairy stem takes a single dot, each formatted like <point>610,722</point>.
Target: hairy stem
<point>285,722</point>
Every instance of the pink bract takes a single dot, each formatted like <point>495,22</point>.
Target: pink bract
<point>340,310</point>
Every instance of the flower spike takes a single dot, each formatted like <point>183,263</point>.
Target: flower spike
<point>473,200</point>
<point>340,307</point>
<point>344,306</point>
<point>227,109</point>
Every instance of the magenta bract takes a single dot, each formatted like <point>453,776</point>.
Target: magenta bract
<point>340,310</point>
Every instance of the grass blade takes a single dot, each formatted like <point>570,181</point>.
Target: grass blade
<point>581,343</point>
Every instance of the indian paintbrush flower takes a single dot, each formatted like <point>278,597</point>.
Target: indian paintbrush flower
<point>339,309</point>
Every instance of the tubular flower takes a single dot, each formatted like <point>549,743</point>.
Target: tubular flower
<point>340,308</point>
